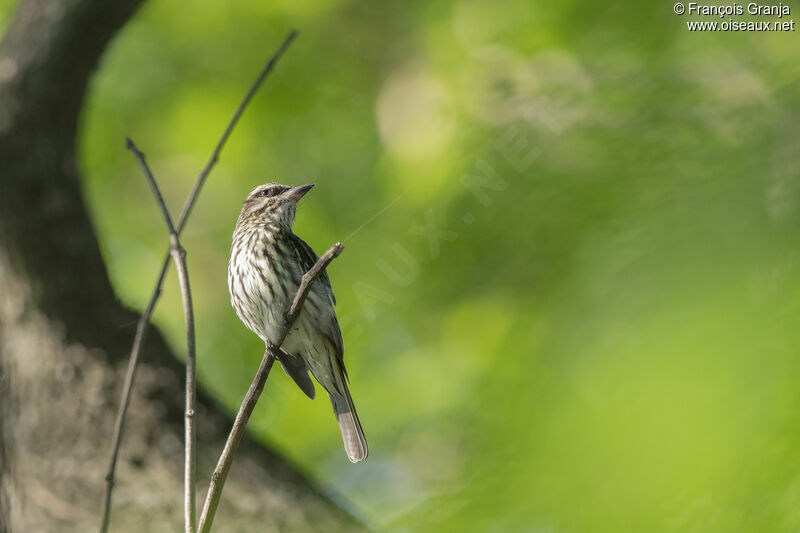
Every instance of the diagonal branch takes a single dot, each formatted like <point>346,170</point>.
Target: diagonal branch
<point>179,258</point>
<point>248,404</point>
<point>201,179</point>
<point>305,285</point>
<point>144,320</point>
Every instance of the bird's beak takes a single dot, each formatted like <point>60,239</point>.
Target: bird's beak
<point>295,193</point>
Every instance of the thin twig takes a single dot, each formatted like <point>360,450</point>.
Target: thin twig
<point>123,407</point>
<point>248,404</point>
<point>305,284</point>
<point>187,206</point>
<point>144,320</point>
<point>179,258</point>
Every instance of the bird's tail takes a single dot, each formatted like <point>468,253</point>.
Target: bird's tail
<point>353,436</point>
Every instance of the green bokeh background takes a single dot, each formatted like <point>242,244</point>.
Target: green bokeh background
<point>605,340</point>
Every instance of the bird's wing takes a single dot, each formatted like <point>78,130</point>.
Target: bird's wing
<point>326,322</point>
<point>296,368</point>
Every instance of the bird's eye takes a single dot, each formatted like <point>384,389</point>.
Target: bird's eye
<point>266,192</point>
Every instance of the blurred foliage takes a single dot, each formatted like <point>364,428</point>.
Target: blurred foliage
<point>605,339</point>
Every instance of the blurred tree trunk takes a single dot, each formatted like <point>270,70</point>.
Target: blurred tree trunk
<point>65,338</point>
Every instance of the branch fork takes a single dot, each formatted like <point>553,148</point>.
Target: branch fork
<point>190,433</point>
<point>177,254</point>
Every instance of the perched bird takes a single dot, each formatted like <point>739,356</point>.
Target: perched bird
<point>265,269</point>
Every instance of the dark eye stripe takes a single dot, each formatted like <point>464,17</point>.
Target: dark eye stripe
<point>274,190</point>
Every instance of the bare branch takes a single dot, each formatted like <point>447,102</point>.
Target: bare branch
<point>220,473</point>
<point>305,284</point>
<point>248,404</point>
<point>130,145</point>
<point>201,179</point>
<point>179,258</point>
<point>123,406</point>
<point>144,320</point>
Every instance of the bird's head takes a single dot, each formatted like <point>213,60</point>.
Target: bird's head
<point>275,202</point>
